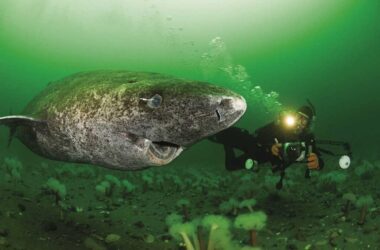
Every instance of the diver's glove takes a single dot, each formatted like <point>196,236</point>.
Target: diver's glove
<point>313,162</point>
<point>276,150</point>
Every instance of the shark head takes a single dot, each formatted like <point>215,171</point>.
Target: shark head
<point>164,117</point>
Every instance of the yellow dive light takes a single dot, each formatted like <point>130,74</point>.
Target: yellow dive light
<point>290,120</point>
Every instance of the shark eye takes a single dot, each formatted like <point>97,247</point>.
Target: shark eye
<point>153,102</point>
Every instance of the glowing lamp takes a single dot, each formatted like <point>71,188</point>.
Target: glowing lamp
<point>290,121</point>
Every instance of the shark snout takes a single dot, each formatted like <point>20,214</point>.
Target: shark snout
<point>231,108</point>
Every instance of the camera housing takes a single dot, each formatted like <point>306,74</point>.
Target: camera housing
<point>295,151</point>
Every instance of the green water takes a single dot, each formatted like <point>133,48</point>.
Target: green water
<point>327,51</point>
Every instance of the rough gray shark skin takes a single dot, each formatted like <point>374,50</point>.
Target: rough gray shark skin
<point>123,120</point>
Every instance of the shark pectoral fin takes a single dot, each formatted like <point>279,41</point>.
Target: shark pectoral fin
<point>12,132</point>
<point>20,120</point>
<point>15,121</point>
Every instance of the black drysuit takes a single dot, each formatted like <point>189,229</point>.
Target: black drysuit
<point>258,146</point>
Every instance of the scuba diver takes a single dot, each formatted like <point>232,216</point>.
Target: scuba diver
<point>283,142</point>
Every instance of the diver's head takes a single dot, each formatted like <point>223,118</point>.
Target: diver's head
<point>306,112</point>
<point>298,121</point>
<point>305,116</point>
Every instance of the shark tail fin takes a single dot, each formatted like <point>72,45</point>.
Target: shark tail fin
<point>15,121</point>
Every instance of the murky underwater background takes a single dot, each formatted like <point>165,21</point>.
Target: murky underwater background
<point>274,53</point>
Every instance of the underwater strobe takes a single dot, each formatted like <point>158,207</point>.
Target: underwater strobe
<point>344,162</point>
<point>345,159</point>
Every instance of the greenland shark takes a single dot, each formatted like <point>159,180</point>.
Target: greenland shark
<point>121,119</point>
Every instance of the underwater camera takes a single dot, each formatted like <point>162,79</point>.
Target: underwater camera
<point>293,152</point>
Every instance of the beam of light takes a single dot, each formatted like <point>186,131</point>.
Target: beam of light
<point>88,30</point>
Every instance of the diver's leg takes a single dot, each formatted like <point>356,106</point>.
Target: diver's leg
<point>232,162</point>
<point>234,137</point>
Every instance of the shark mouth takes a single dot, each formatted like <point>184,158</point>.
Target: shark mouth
<point>162,152</point>
<point>157,152</point>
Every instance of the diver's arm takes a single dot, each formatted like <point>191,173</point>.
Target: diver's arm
<point>266,136</point>
<point>321,162</point>
<point>270,137</point>
<point>315,161</point>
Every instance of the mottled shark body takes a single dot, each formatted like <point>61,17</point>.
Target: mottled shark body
<point>123,120</point>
